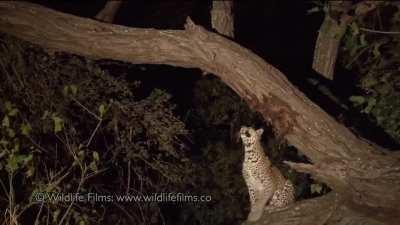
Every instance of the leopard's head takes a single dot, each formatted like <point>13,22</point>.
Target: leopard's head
<point>250,136</point>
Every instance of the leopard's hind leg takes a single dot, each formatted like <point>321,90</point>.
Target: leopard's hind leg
<point>282,197</point>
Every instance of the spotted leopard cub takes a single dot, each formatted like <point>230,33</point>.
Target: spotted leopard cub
<point>268,189</point>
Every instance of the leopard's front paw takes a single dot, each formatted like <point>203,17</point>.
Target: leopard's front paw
<point>254,215</point>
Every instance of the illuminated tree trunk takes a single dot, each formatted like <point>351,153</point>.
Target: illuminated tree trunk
<point>365,178</point>
<point>222,19</point>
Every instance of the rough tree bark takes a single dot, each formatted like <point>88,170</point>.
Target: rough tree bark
<point>365,178</point>
<point>222,19</point>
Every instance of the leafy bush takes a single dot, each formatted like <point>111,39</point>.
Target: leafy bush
<point>67,126</point>
<point>374,56</point>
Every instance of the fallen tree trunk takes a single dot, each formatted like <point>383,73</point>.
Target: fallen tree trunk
<point>364,177</point>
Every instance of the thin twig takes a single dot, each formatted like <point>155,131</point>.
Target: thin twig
<point>48,214</point>
<point>93,114</point>
<point>83,175</point>
<point>4,188</point>
<point>36,144</point>
<point>40,212</point>
<point>379,31</point>
<point>12,210</point>
<point>129,177</point>
<point>93,133</point>
<point>140,206</point>
<point>87,110</point>
<point>357,56</point>
<point>90,175</point>
<point>125,212</point>
<point>153,167</point>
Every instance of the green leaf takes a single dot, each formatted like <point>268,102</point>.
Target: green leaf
<point>357,100</point>
<point>12,164</point>
<point>369,82</point>
<point>56,214</point>
<point>96,156</point>
<point>81,155</point>
<point>316,188</point>
<point>314,10</point>
<point>30,171</point>
<point>4,142</point>
<point>355,29</point>
<point>15,161</point>
<point>24,159</point>
<point>376,52</point>
<point>8,106</point>
<point>65,90</point>
<point>383,89</point>
<point>16,147</point>
<point>45,114</point>
<point>11,133</point>
<point>370,106</point>
<point>13,112</point>
<point>363,41</point>
<point>74,89</point>
<point>25,129</point>
<point>93,166</point>
<point>102,110</point>
<point>6,122</point>
<point>58,123</point>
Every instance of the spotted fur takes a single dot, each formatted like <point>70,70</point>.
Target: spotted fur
<point>268,189</point>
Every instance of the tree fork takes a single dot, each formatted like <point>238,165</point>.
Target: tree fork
<point>365,178</point>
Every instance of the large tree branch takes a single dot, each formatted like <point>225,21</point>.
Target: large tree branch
<point>325,210</point>
<point>367,178</point>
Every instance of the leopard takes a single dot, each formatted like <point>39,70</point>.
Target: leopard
<point>268,189</point>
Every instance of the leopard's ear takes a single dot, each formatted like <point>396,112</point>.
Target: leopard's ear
<point>260,132</point>
<point>242,128</point>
